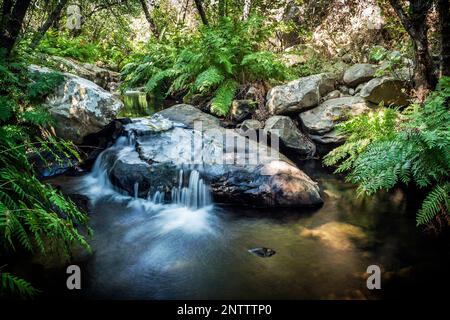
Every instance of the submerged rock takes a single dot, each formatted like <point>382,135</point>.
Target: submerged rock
<point>262,252</point>
<point>299,94</point>
<point>80,107</point>
<point>337,235</point>
<point>232,173</point>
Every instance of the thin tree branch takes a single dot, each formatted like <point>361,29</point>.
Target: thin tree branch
<point>148,8</point>
<point>55,14</point>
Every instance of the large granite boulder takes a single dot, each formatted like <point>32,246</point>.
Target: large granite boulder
<point>389,90</point>
<point>291,137</point>
<point>321,121</point>
<point>359,73</point>
<point>299,95</point>
<point>159,152</point>
<point>100,76</point>
<point>79,106</point>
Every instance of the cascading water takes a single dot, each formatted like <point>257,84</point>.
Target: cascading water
<point>191,191</point>
<point>185,211</point>
<point>195,195</point>
<point>97,184</point>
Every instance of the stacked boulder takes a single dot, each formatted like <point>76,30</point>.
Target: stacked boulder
<point>319,102</point>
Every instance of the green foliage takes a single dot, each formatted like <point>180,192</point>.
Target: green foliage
<point>360,132</point>
<point>388,147</point>
<point>392,62</point>
<point>212,63</point>
<point>42,84</point>
<point>34,216</point>
<point>111,49</point>
<point>158,57</point>
<point>62,44</point>
<point>15,284</point>
<point>223,97</point>
<point>437,201</point>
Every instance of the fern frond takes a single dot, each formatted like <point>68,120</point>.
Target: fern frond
<point>437,201</point>
<point>16,285</point>
<point>223,97</point>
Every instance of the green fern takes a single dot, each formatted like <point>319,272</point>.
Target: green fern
<point>13,284</point>
<point>211,63</point>
<point>223,98</point>
<point>388,147</point>
<point>34,216</point>
<point>437,201</point>
<point>208,79</point>
<point>6,108</point>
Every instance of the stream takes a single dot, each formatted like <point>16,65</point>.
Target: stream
<point>146,249</point>
<point>187,247</point>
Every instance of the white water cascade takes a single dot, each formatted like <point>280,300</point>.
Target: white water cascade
<point>191,191</point>
<point>186,208</point>
<point>195,194</point>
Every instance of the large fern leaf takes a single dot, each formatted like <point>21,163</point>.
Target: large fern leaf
<point>223,98</point>
<point>437,201</point>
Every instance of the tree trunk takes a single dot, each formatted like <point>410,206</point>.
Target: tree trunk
<point>148,8</point>
<point>12,21</point>
<point>246,10</point>
<point>416,26</point>
<point>444,22</point>
<point>53,16</point>
<point>201,12</point>
<point>222,8</point>
<point>6,10</point>
<point>424,78</point>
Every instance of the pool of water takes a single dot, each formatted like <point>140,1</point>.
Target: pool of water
<point>143,250</point>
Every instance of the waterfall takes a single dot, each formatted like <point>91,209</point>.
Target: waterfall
<point>97,184</point>
<point>194,194</point>
<point>131,139</point>
<point>158,198</point>
<point>190,192</point>
<point>136,190</point>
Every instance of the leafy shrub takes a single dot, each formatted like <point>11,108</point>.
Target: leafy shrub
<point>62,44</point>
<point>158,57</point>
<point>33,216</point>
<point>392,61</point>
<point>214,62</point>
<point>387,147</point>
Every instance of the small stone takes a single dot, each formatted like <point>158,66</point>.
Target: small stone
<point>242,109</point>
<point>262,252</point>
<point>333,95</point>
